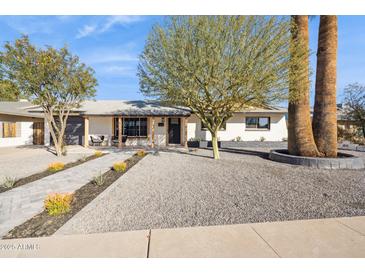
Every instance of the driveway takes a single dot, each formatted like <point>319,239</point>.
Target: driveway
<point>178,190</point>
<point>23,161</point>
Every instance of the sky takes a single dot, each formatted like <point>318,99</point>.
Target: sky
<point>111,46</point>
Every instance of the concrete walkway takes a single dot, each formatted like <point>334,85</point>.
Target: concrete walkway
<point>23,161</point>
<point>339,237</point>
<point>22,203</point>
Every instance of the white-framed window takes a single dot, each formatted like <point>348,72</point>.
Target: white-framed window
<point>258,122</point>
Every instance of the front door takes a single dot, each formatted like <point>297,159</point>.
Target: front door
<point>38,133</point>
<point>174,130</point>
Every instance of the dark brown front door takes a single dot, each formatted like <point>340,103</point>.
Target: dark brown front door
<point>174,130</point>
<point>38,133</point>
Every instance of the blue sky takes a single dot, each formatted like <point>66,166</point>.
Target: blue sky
<point>111,45</point>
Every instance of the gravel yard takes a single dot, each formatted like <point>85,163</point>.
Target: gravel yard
<point>175,190</point>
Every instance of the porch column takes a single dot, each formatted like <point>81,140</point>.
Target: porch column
<point>119,132</point>
<point>185,120</point>
<point>86,131</point>
<point>153,132</point>
<point>167,130</point>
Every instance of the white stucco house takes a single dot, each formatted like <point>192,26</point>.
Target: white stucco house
<point>131,123</point>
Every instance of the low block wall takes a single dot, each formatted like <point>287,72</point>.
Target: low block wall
<point>346,161</point>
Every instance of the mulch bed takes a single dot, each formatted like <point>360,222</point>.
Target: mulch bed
<point>42,224</point>
<point>40,175</point>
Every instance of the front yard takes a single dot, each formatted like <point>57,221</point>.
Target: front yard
<point>175,189</point>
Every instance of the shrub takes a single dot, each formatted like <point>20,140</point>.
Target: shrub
<point>56,166</point>
<point>8,182</point>
<point>238,139</point>
<point>120,166</point>
<point>98,153</point>
<point>99,179</point>
<point>58,203</point>
<point>141,153</point>
<point>262,139</point>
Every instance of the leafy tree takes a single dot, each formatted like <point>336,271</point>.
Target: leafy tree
<point>355,105</point>
<point>54,79</point>
<point>8,92</point>
<point>216,65</point>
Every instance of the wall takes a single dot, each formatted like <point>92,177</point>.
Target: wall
<point>101,126</point>
<point>24,134</point>
<point>236,126</point>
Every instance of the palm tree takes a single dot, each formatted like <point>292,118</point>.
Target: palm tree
<point>325,108</point>
<point>300,135</point>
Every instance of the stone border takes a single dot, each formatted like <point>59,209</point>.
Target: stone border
<point>353,147</point>
<point>347,162</point>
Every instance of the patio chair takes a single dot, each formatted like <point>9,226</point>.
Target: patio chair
<point>97,141</point>
<point>115,140</point>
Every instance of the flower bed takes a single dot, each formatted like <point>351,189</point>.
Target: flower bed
<point>47,172</point>
<point>43,224</point>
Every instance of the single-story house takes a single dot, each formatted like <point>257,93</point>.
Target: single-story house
<point>143,123</point>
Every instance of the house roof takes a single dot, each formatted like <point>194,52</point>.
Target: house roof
<point>118,107</point>
<point>269,109</point>
<point>131,108</point>
<point>21,108</point>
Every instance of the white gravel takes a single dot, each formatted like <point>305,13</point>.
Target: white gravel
<point>177,190</point>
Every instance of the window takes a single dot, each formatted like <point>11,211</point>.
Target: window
<point>8,130</point>
<point>135,127</point>
<point>258,122</point>
<point>204,128</point>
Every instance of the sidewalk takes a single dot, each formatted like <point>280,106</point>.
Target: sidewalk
<point>339,237</point>
<point>20,204</point>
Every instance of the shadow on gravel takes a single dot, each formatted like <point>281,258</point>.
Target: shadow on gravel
<point>261,154</point>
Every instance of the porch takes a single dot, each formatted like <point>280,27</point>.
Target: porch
<point>135,131</point>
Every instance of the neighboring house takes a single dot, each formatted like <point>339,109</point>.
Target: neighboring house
<point>19,126</point>
<point>342,120</point>
<point>143,122</point>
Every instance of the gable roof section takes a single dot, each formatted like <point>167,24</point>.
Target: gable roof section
<point>21,108</point>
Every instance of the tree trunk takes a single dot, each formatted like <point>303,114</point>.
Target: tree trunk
<point>215,145</point>
<point>57,141</point>
<point>325,108</point>
<point>300,134</point>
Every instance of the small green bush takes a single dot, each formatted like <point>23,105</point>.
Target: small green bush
<point>120,166</point>
<point>262,139</point>
<point>8,182</point>
<point>99,179</point>
<point>58,203</point>
<point>56,166</point>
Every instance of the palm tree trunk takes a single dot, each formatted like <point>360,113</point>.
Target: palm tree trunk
<point>300,135</point>
<point>325,108</point>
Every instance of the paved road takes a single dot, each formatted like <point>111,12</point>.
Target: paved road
<point>22,203</point>
<point>339,238</point>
